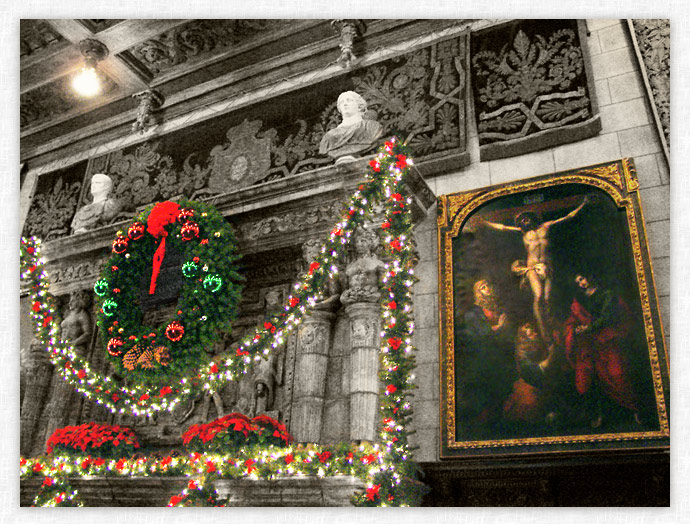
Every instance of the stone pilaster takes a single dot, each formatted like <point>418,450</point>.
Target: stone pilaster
<point>37,386</point>
<point>364,368</point>
<point>310,376</point>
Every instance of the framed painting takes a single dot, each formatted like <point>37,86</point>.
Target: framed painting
<point>551,339</point>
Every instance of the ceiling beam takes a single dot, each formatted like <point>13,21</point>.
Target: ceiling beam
<point>117,38</point>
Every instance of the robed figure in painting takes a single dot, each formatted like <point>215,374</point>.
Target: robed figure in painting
<point>597,338</point>
<point>486,341</point>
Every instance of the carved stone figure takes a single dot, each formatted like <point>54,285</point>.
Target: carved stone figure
<point>355,134</point>
<point>364,275</point>
<point>99,212</point>
<point>38,375</point>
<point>76,328</point>
<point>364,279</point>
<point>310,250</point>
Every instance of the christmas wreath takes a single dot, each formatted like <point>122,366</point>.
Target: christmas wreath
<point>208,297</point>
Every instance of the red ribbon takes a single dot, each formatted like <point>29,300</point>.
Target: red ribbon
<point>161,215</point>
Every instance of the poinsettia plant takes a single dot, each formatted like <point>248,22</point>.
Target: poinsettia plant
<point>101,439</point>
<point>236,430</point>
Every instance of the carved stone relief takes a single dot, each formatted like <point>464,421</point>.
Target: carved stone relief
<point>654,41</point>
<point>52,210</point>
<point>296,220</point>
<point>195,40</point>
<point>35,35</point>
<point>529,78</point>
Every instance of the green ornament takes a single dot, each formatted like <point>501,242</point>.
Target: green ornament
<point>213,283</point>
<point>100,287</point>
<point>109,307</point>
<point>189,269</point>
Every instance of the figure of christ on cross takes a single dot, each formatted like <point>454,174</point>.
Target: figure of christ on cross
<point>536,270</point>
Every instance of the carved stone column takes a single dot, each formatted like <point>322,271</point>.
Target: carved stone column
<point>364,367</point>
<point>38,375</point>
<point>310,376</point>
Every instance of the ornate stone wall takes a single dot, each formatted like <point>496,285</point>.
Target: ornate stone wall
<point>654,44</point>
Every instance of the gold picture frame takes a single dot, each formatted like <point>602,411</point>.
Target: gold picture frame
<point>550,335</point>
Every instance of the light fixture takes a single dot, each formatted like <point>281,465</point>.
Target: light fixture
<point>87,83</point>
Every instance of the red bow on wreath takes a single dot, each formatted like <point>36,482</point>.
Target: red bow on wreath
<point>161,215</point>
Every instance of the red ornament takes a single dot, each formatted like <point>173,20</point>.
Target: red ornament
<point>190,231</point>
<point>390,388</point>
<point>174,331</point>
<point>136,231</point>
<point>385,225</point>
<point>116,290</point>
<point>113,346</point>
<point>81,374</point>
<point>294,301</point>
<point>195,260</point>
<point>114,268</point>
<point>120,245</point>
<point>396,196</point>
<point>36,306</point>
<point>392,305</point>
<point>116,397</point>
<point>214,368</point>
<point>184,215</point>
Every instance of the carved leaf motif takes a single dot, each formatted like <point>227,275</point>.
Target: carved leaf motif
<point>52,211</point>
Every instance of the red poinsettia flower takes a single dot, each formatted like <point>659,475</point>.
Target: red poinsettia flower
<point>368,459</point>
<point>390,388</point>
<point>323,457</point>
<point>394,343</point>
<point>47,481</point>
<point>37,467</point>
<point>397,197</point>
<point>165,390</point>
<point>337,232</point>
<point>175,500</point>
<point>81,373</point>
<point>294,301</point>
<point>313,267</point>
<point>395,244</point>
<point>241,352</point>
<point>373,491</point>
<point>47,321</point>
<point>214,368</point>
<point>210,466</point>
<point>375,165</point>
<point>36,307</point>
<point>289,458</point>
<point>192,484</point>
<point>250,465</point>
<point>401,162</point>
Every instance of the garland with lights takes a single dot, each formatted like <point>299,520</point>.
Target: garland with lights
<point>209,293</point>
<point>392,482</point>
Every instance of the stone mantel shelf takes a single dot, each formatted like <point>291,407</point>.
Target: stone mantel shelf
<point>330,185</point>
<point>304,491</point>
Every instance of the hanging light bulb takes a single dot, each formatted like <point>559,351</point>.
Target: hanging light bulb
<point>87,83</point>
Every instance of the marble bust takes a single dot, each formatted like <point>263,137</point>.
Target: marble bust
<point>354,134</point>
<point>99,212</point>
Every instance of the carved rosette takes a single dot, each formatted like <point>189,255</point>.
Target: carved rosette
<point>364,367</point>
<point>311,366</point>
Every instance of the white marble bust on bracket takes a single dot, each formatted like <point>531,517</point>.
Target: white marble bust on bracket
<point>354,134</point>
<point>99,212</point>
